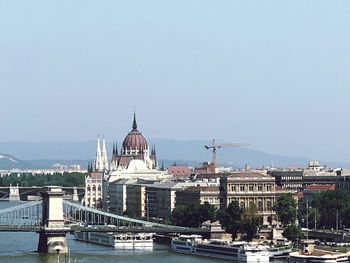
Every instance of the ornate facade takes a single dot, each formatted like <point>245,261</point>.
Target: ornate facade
<point>250,188</point>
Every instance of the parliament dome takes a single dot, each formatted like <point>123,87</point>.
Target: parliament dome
<point>135,141</point>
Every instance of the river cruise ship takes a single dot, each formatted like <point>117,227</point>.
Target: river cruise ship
<point>120,240</point>
<point>237,251</point>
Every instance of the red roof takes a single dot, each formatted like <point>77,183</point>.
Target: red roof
<point>179,170</point>
<point>321,187</point>
<point>96,175</point>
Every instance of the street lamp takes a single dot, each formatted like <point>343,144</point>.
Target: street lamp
<point>337,216</point>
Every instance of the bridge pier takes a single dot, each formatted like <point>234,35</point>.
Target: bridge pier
<point>52,237</point>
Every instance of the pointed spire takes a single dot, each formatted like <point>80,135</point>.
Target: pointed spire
<point>113,153</point>
<point>116,149</point>
<point>104,155</point>
<point>98,160</point>
<point>134,124</point>
<point>162,165</point>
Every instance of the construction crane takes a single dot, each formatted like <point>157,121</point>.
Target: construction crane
<point>215,146</point>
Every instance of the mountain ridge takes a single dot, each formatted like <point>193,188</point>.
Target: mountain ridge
<point>170,150</point>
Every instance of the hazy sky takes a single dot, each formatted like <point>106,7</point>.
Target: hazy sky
<point>274,74</point>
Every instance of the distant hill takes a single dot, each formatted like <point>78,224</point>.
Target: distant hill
<point>44,155</point>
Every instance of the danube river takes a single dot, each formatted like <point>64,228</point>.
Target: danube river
<point>21,248</point>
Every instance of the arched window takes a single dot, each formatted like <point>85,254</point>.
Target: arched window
<point>268,206</point>
<point>242,205</point>
<point>260,206</point>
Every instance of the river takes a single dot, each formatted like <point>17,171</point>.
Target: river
<point>21,248</point>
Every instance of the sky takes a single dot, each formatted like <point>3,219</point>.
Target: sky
<point>274,74</point>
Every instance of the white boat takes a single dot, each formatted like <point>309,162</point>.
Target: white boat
<point>237,251</point>
<point>279,252</point>
<point>318,257</point>
<point>120,241</point>
<point>311,255</point>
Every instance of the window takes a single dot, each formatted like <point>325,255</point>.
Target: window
<point>260,206</point>
<point>251,188</point>
<point>268,206</point>
<point>241,205</point>
<point>260,188</point>
<point>241,188</point>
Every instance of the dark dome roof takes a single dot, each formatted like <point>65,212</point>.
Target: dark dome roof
<point>135,140</point>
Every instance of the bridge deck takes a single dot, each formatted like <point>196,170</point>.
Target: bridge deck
<point>72,229</point>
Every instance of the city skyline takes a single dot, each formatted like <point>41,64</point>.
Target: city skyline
<point>240,72</point>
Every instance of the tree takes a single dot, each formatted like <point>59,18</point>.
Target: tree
<point>293,232</point>
<point>286,208</point>
<point>193,215</point>
<point>206,212</point>
<point>331,203</point>
<point>249,223</point>
<point>230,218</point>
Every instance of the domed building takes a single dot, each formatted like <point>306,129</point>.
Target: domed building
<point>134,161</point>
<point>134,147</point>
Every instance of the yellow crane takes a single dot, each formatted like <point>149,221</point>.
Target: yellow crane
<point>215,146</point>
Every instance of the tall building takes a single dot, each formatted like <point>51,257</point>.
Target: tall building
<point>134,160</point>
<point>134,147</point>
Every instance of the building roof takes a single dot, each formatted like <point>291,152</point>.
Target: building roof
<point>135,140</point>
<point>197,189</point>
<point>179,170</point>
<point>96,175</point>
<point>320,187</point>
<point>249,176</point>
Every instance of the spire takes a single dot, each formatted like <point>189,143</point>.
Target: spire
<point>98,160</point>
<point>116,149</point>
<point>134,124</point>
<point>113,153</point>
<point>104,155</point>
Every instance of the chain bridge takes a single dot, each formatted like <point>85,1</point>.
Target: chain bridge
<point>53,217</point>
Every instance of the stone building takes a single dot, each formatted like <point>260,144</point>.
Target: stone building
<point>197,195</point>
<point>93,189</point>
<point>250,188</point>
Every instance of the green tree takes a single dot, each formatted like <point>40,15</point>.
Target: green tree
<point>249,223</point>
<point>330,203</point>
<point>230,218</point>
<point>293,232</point>
<point>193,215</point>
<point>206,212</point>
<point>286,208</point>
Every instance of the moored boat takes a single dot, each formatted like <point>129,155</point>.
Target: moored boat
<point>237,251</point>
<point>311,255</point>
<point>120,241</point>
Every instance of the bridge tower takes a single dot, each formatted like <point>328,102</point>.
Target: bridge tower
<point>52,236</point>
<point>75,194</point>
<point>14,193</point>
